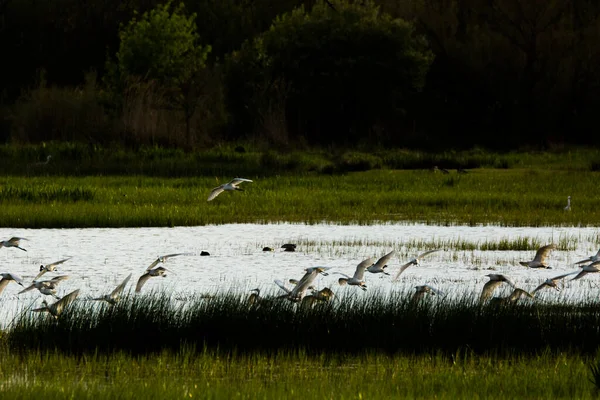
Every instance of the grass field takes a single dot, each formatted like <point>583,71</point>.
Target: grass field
<point>514,197</point>
<point>208,375</point>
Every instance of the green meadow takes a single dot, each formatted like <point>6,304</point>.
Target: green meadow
<point>510,197</point>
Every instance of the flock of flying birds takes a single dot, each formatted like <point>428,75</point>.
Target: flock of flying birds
<point>302,291</point>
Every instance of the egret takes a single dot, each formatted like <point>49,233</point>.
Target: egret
<point>591,259</point>
<point>381,264</point>
<point>229,186</point>
<point>359,273</point>
<point>46,287</point>
<point>114,296</point>
<point>162,259</point>
<point>57,308</point>
<point>514,296</point>
<point>495,281</point>
<point>12,242</point>
<point>299,291</point>
<point>552,282</point>
<point>7,277</point>
<point>568,206</point>
<point>421,291</point>
<point>588,269</point>
<point>49,267</point>
<point>158,271</point>
<point>414,261</point>
<point>539,261</point>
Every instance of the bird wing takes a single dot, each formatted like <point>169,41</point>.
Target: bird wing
<point>141,281</point>
<point>42,272</point>
<point>27,289</point>
<point>540,287</point>
<point>3,283</point>
<point>65,301</point>
<point>57,262</point>
<point>237,181</point>
<point>543,252</point>
<point>282,286</point>
<point>119,289</point>
<point>517,293</point>
<point>580,274</point>
<point>15,240</point>
<point>58,279</point>
<point>215,192</point>
<point>488,289</point>
<point>563,276</point>
<point>154,264</point>
<point>384,260</point>
<point>402,268</point>
<point>176,254</point>
<point>427,253</point>
<point>16,278</point>
<point>584,261</point>
<point>360,268</point>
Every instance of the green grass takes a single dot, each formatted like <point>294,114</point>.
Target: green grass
<point>514,197</point>
<point>387,323</point>
<point>214,375</point>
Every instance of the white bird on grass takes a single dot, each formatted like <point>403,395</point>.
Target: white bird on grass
<point>568,206</point>
<point>229,186</point>
<point>495,281</point>
<point>114,296</point>
<point>414,261</point>
<point>7,277</point>
<point>381,264</point>
<point>539,261</point>
<point>12,242</point>
<point>359,273</point>
<point>49,267</point>
<point>57,308</point>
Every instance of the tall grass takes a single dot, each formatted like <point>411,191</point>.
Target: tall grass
<point>204,373</point>
<point>376,322</point>
<point>500,197</point>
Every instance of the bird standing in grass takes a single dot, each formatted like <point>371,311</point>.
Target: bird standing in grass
<point>568,206</point>
<point>229,187</point>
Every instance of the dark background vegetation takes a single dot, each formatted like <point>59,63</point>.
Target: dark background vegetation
<point>496,73</point>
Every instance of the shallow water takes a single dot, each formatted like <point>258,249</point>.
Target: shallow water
<point>102,258</point>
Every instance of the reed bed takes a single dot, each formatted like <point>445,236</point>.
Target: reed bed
<point>502,197</point>
<point>381,323</point>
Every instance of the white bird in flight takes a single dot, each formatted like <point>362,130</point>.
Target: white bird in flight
<point>552,282</point>
<point>162,259</point>
<point>158,271</point>
<point>588,269</point>
<point>7,277</point>
<point>414,261</point>
<point>49,267</point>
<point>422,290</point>
<point>539,261</point>
<point>12,242</point>
<point>495,281</point>
<point>114,296</point>
<point>299,291</point>
<point>46,287</point>
<point>381,264</point>
<point>229,186</point>
<point>512,298</point>
<point>591,259</point>
<point>359,273</point>
<point>57,308</point>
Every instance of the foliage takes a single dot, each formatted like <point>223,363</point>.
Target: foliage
<point>337,72</point>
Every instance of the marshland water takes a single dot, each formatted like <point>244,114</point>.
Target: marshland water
<point>102,258</point>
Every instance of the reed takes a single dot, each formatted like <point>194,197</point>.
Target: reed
<point>387,323</point>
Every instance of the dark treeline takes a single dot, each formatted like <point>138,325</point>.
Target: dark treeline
<point>428,74</point>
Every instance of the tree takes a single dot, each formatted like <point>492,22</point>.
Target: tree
<point>163,47</point>
<point>347,70</point>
